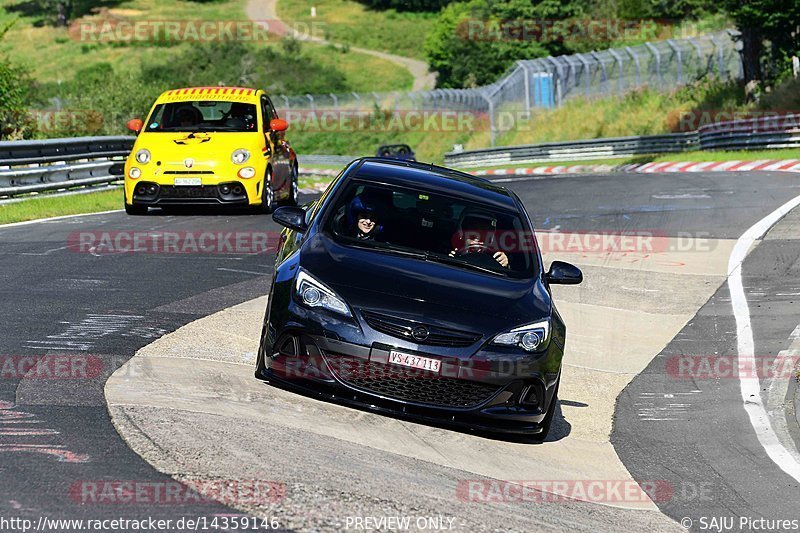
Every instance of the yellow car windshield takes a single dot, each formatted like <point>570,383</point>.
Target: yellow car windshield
<point>205,115</point>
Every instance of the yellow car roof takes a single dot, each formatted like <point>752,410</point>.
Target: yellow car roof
<point>231,94</point>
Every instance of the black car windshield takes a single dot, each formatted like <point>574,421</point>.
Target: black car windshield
<point>206,115</point>
<point>433,227</point>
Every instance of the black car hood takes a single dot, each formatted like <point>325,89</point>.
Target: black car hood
<point>423,290</point>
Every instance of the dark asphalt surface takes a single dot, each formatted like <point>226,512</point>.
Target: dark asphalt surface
<point>697,428</point>
<point>57,301</point>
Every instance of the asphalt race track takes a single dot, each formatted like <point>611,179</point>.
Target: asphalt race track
<point>163,389</point>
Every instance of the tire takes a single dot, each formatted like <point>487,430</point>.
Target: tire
<point>548,418</point>
<point>135,210</point>
<point>267,194</point>
<point>294,190</point>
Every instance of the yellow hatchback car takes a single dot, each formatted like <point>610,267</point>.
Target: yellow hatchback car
<point>210,145</point>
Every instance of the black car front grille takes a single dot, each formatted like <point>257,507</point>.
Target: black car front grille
<point>191,191</point>
<point>409,384</point>
<point>402,328</point>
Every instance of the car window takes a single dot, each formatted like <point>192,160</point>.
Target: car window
<point>315,206</point>
<point>205,115</point>
<point>434,227</point>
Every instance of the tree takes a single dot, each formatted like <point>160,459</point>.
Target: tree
<point>474,42</point>
<point>14,93</point>
<point>775,21</point>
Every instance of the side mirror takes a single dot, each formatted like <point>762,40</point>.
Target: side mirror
<point>135,125</point>
<point>564,274</point>
<point>278,124</point>
<point>290,217</point>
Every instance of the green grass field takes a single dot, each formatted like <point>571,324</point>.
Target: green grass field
<point>53,54</point>
<point>348,22</point>
<point>73,204</point>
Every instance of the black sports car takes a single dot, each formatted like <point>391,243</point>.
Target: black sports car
<point>396,151</point>
<point>420,291</point>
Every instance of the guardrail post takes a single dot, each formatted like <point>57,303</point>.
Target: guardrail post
<point>490,103</point>
<point>335,102</point>
<point>738,46</point>
<point>618,59</point>
<point>657,56</point>
<point>527,88</point>
<point>720,57</point>
<point>603,74</point>
<point>677,50</point>
<point>311,100</point>
<point>636,63</point>
<point>587,73</point>
<point>556,79</point>
<point>358,101</point>
<point>285,103</point>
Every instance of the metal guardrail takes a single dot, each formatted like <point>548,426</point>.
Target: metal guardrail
<point>768,132</point>
<point>28,167</point>
<point>55,164</point>
<point>609,148</point>
<point>762,133</point>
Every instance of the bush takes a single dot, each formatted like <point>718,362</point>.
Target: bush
<point>15,88</point>
<point>468,48</point>
<point>406,5</point>
<point>103,99</point>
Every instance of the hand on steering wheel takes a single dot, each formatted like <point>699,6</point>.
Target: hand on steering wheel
<point>475,248</point>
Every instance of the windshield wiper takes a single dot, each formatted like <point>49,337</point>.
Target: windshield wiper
<point>447,260</point>
<point>395,251</point>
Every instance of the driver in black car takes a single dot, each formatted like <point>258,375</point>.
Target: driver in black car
<point>473,233</point>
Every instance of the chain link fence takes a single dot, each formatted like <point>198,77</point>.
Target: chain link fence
<point>547,82</point>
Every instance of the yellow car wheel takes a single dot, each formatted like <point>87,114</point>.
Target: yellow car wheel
<point>267,194</point>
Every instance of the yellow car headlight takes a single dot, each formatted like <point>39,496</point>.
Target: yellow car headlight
<point>246,172</point>
<point>240,156</point>
<point>143,156</point>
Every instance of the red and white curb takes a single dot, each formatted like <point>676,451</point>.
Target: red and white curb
<point>783,165</point>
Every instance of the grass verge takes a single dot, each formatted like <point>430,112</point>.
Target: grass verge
<point>689,157</point>
<point>54,206</point>
<point>348,22</point>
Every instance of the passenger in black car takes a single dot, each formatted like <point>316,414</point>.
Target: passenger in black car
<point>363,219</point>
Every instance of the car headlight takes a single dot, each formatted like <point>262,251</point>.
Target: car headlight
<point>313,293</point>
<point>143,156</point>
<point>531,338</point>
<point>134,172</point>
<point>240,156</point>
<point>246,172</point>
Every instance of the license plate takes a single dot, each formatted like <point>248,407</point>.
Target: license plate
<point>188,181</point>
<point>414,361</point>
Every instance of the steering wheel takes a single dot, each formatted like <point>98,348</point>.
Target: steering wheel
<point>472,249</point>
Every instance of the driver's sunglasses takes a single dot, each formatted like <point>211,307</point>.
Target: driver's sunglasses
<point>372,217</point>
